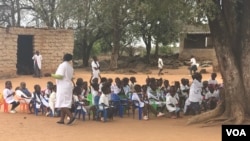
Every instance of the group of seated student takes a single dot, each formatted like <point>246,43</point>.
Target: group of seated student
<point>36,99</point>
<point>155,96</point>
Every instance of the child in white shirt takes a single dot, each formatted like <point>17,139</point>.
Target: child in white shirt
<point>8,95</point>
<point>172,103</point>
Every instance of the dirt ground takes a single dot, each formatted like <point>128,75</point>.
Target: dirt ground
<point>28,127</point>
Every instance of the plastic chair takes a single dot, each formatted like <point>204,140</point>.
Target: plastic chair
<point>103,111</point>
<point>36,109</point>
<point>116,103</point>
<point>24,107</point>
<point>5,107</point>
<point>136,106</point>
<point>80,111</point>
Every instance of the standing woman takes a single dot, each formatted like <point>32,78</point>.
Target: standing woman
<point>64,75</point>
<point>37,58</point>
<point>95,68</point>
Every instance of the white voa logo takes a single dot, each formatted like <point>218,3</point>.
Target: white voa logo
<point>236,132</point>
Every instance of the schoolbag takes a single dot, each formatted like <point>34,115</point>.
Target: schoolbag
<point>1,98</point>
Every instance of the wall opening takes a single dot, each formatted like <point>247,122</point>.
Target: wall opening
<point>24,55</point>
<point>197,41</point>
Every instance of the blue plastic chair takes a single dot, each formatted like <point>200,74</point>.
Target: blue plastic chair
<point>37,110</point>
<point>117,103</point>
<point>80,111</point>
<point>136,106</point>
<point>103,111</point>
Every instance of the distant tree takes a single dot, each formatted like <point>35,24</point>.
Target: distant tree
<point>10,12</point>
<point>159,22</point>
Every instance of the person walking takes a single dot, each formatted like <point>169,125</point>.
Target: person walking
<point>193,65</point>
<point>37,58</point>
<point>160,66</point>
<point>64,85</point>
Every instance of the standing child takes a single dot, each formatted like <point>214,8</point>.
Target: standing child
<point>195,96</point>
<point>8,95</point>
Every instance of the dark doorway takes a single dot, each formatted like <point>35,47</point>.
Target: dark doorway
<point>24,55</point>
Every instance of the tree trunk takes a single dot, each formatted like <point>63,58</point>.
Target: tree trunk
<point>115,50</point>
<point>147,40</point>
<point>156,48</point>
<point>230,31</point>
<point>13,19</point>
<point>18,13</point>
<point>116,37</point>
<point>86,52</point>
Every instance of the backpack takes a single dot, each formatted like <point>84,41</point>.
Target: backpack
<point>1,98</point>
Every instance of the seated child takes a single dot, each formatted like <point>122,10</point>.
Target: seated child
<point>25,90</point>
<point>154,97</point>
<point>48,90</point>
<point>212,97</point>
<point>8,95</point>
<point>21,96</point>
<point>78,99</point>
<point>39,99</point>
<point>136,97</point>
<point>52,100</point>
<point>149,107</point>
<point>172,103</point>
<point>104,101</point>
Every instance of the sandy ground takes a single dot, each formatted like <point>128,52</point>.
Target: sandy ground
<point>28,127</point>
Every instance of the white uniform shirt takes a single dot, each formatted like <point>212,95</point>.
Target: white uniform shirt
<point>95,73</point>
<point>20,94</point>
<point>38,59</point>
<point>171,100</point>
<point>183,88</point>
<point>6,93</point>
<point>215,94</point>
<point>94,93</point>
<point>137,98</point>
<point>193,61</point>
<point>195,91</point>
<point>103,99</point>
<point>116,89</point>
<point>160,63</point>
<point>212,82</point>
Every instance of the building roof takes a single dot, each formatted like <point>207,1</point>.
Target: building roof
<point>201,29</point>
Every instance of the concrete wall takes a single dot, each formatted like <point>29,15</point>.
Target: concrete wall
<point>52,44</point>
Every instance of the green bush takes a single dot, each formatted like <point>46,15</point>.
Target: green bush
<point>166,50</point>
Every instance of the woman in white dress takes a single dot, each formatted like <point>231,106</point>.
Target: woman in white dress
<point>64,85</point>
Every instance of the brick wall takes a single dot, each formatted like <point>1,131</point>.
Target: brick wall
<point>52,44</point>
